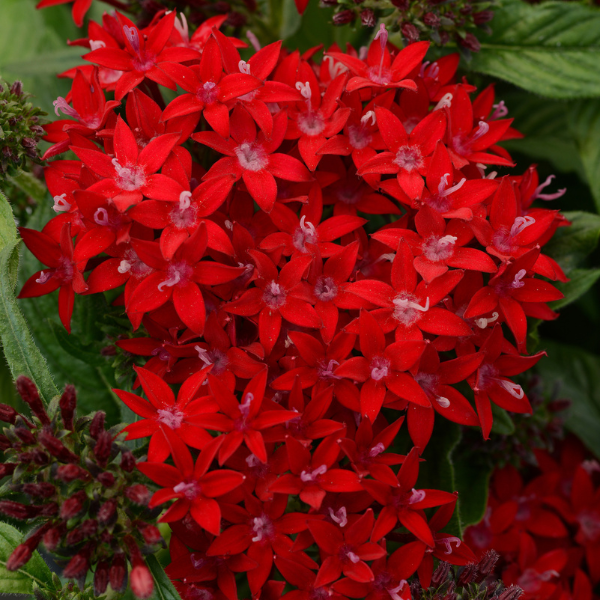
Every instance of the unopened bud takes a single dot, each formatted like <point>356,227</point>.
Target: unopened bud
<point>488,563</point>
<point>5,443</point>
<point>117,574</point>
<point>142,584</point>
<point>101,578</point>
<point>40,490</point>
<point>410,33</point>
<point>7,469</point>
<point>127,461</point>
<point>72,506</point>
<point>97,424</point>
<point>28,391</point>
<point>343,18</point>
<point>151,534</point>
<point>106,479</point>
<point>432,20</point>
<point>20,555</point>
<point>513,592</point>
<point>107,511</point>
<point>39,457</point>
<point>467,575</point>
<point>84,531</point>
<point>17,89</point>
<point>103,447</point>
<point>24,435</point>
<point>48,510</point>
<point>559,405</point>
<point>367,17</point>
<point>16,510</point>
<point>482,17</point>
<point>77,566</point>
<point>440,575</point>
<point>55,447</point>
<point>8,414</point>
<point>68,473</point>
<point>52,538</point>
<point>68,404</point>
<point>470,42</point>
<point>138,494</point>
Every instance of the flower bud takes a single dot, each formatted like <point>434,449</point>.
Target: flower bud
<point>5,443</point>
<point>488,563</point>
<point>20,555</point>
<point>151,534</point>
<point>107,511</point>
<point>138,494</point>
<point>67,405</point>
<point>440,575</point>
<point>410,33</point>
<point>68,473</point>
<point>77,566</point>
<point>17,89</point>
<point>55,447</point>
<point>513,592</point>
<point>39,457</point>
<point>482,17</point>
<point>24,435</point>
<point>101,578</point>
<point>8,414</point>
<point>52,537</point>
<point>106,479</point>
<point>16,510</point>
<point>48,510</point>
<point>97,424</point>
<point>26,388</point>
<point>127,461</point>
<point>343,18</point>
<point>7,469</point>
<point>401,4</point>
<point>142,584</point>
<point>72,506</point>
<point>103,447</point>
<point>432,20</point>
<point>40,490</point>
<point>367,17</point>
<point>559,405</point>
<point>470,42</point>
<point>467,575</point>
<point>117,574</point>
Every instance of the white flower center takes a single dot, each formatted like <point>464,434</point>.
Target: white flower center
<point>251,156</point>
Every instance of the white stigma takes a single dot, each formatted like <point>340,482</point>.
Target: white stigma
<point>260,527</point>
<point>395,592</point>
<point>443,402</point>
<point>482,129</point>
<point>124,267</point>
<point>245,405</point>
<point>445,102</point>
<point>416,496</point>
<point>304,89</point>
<point>369,115</point>
<point>252,461</point>
<point>203,355</point>
<point>101,217</point>
<point>96,45</point>
<point>376,450</point>
<point>406,303</point>
<point>174,279</point>
<point>520,224</point>
<point>483,322</point>
<point>340,517</point>
<point>61,204</point>
<point>311,476</point>
<point>184,200</point>
<point>353,557</point>
<point>444,191</point>
<point>448,543</point>
<point>44,277</point>
<point>518,280</point>
<point>244,67</point>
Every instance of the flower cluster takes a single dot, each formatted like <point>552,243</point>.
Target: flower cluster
<point>547,528</point>
<point>434,20</point>
<point>232,219</point>
<point>83,493</point>
<point>20,128</point>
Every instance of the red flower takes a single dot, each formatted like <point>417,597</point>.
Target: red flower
<point>80,7</point>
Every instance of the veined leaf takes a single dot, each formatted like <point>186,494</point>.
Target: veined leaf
<point>22,355</point>
<point>581,280</point>
<point>551,49</point>
<point>163,588</point>
<point>22,580</point>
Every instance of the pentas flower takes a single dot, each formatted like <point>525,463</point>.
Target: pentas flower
<point>79,9</point>
<point>252,157</point>
<point>161,411</point>
<point>190,484</point>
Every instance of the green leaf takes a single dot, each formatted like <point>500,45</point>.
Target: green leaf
<point>31,185</point>
<point>577,375</point>
<point>164,589</point>
<point>584,124</point>
<point>71,344</point>
<point>552,49</point>
<point>20,581</point>
<point>502,424</point>
<point>472,472</point>
<point>20,351</point>
<point>581,280</point>
<point>571,245</point>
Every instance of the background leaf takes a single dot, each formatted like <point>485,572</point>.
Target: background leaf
<point>581,280</point>
<point>164,589</point>
<point>21,581</point>
<point>551,49</point>
<point>576,374</point>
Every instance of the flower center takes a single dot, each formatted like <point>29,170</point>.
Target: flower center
<point>340,517</point>
<point>305,234</point>
<point>359,137</point>
<point>438,249</point>
<point>190,489</point>
<point>380,368</point>
<point>313,476</point>
<point>263,528</point>
<point>310,123</point>
<point>346,555</point>
<point>251,156</point>
<point>447,542</point>
<point>407,310</point>
<point>274,295</point>
<point>178,272</point>
<point>208,93</point>
<point>589,523</point>
<point>409,158</point>
<point>61,204</point>
<point>214,357</point>
<point>172,417</point>
<point>326,289</point>
<point>129,178</point>
<point>326,371</point>
<point>132,264</point>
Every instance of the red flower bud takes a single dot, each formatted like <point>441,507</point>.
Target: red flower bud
<point>514,592</point>
<point>41,490</point>
<point>127,461</point>
<point>467,575</point>
<point>106,479</point>
<point>151,534</point>
<point>24,435</point>
<point>52,537</point>
<point>470,42</point>
<point>28,391</point>
<point>68,404</point>
<point>7,469</point>
<point>55,447</point>
<point>103,447</point>
<point>107,511</point>
<point>39,457</point>
<point>343,18</point>
<point>5,443</point>
<point>410,33</point>
<point>440,575</point>
<point>68,473</point>
<point>8,414</point>
<point>142,584</point>
<point>482,17</point>
<point>101,578</point>
<point>77,566</point>
<point>72,506</point>
<point>97,424</point>
<point>117,573</point>
<point>367,17</point>
<point>16,510</point>
<point>49,510</point>
<point>87,529</point>
<point>139,494</point>
<point>20,555</point>
<point>488,563</point>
